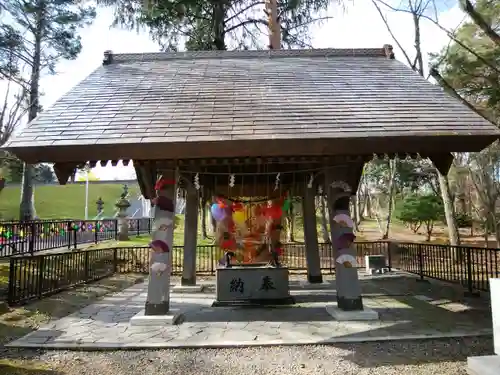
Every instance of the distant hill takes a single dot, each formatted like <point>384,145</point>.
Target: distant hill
<point>56,201</point>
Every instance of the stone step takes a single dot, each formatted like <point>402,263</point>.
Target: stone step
<point>486,365</point>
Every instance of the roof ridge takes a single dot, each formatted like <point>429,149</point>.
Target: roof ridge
<point>110,57</point>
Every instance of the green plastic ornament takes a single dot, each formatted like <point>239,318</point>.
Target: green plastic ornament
<point>286,205</point>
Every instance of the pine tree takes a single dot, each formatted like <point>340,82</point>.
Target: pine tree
<point>220,24</point>
<point>49,30</point>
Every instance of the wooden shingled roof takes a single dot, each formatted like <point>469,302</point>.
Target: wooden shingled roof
<point>248,104</point>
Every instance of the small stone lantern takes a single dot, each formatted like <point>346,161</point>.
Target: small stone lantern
<point>122,205</point>
<point>100,206</point>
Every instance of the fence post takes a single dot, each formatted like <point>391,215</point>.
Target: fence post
<point>41,269</point>
<point>470,282</point>
<point>75,239</point>
<point>139,221</point>
<point>469,270</point>
<point>212,260</point>
<point>68,232</point>
<point>115,260</point>
<point>96,232</point>
<point>11,294</point>
<point>86,263</point>
<point>116,229</point>
<point>390,247</point>
<point>32,238</point>
<point>420,263</point>
<point>496,263</point>
<point>149,225</point>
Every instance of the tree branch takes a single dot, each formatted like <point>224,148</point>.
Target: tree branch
<point>448,33</point>
<point>392,34</point>
<point>241,11</point>
<point>449,88</point>
<point>250,21</point>
<point>478,19</point>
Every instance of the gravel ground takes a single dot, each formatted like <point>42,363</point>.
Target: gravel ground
<point>442,357</point>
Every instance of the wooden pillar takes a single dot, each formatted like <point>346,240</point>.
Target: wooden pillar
<point>160,266</point>
<point>311,237</point>
<point>190,238</point>
<point>346,273</point>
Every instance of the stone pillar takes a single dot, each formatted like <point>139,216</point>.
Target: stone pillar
<point>122,205</point>
<point>311,237</point>
<point>490,364</point>
<point>157,310</point>
<point>346,274</point>
<point>190,238</point>
<point>158,299</point>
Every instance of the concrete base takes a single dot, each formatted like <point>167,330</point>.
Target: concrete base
<point>377,271</point>
<point>341,315</point>
<point>187,289</point>
<point>487,365</point>
<point>252,284</point>
<point>141,320</point>
<point>309,285</point>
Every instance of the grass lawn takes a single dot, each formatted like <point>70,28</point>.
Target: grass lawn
<point>60,202</point>
<point>144,240</point>
<point>20,321</point>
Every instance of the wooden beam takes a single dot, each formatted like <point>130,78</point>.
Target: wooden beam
<point>442,162</point>
<point>146,178</point>
<point>64,171</point>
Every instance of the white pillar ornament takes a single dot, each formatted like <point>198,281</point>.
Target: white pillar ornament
<point>158,300</point>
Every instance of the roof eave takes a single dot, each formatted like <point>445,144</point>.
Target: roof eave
<point>437,144</point>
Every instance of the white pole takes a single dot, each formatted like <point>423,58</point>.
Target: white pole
<point>86,194</point>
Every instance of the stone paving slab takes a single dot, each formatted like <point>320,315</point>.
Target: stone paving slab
<point>105,324</point>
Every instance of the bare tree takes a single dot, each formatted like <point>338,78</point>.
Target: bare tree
<point>484,167</point>
<point>12,110</point>
<point>417,9</point>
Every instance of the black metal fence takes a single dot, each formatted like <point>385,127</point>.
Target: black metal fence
<point>40,275</point>
<point>470,267</point>
<point>18,238</point>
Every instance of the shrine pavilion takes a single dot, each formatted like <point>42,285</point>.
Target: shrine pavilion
<point>269,124</point>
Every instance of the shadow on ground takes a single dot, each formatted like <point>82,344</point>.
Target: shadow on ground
<point>416,352</point>
<point>6,369</point>
<point>18,321</point>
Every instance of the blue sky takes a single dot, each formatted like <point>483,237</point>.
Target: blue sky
<point>358,26</point>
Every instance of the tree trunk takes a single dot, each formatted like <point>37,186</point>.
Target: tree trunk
<point>355,212</point>
<point>324,222</point>
<point>461,203</point>
<point>368,206</point>
<point>204,233</point>
<point>497,232</point>
<point>390,199</point>
<point>428,231</point>
<point>26,206</point>
<point>360,202</point>
<point>449,210</point>
<point>218,25</point>
<point>486,233</point>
